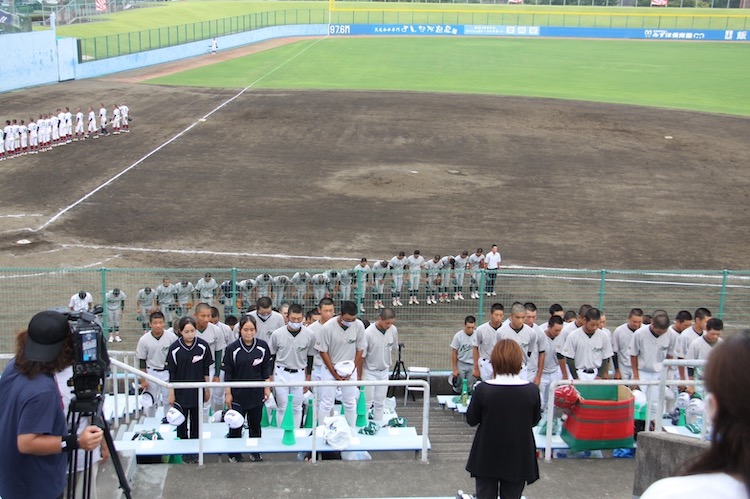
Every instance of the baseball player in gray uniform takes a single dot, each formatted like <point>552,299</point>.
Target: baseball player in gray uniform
<point>206,288</point>
<point>551,368</point>
<point>151,353</point>
<point>649,347</point>
<point>346,278</point>
<point>689,335</point>
<point>280,283</point>
<point>299,281</point>
<point>446,268</point>
<point>263,284</point>
<point>166,297</point>
<point>267,319</point>
<point>397,265</point>
<point>291,345</point>
<point>569,327</point>
<point>115,303</point>
<point>462,357</point>
<point>341,339</point>
<point>587,349</point>
<point>702,347</point>
<point>515,329</point>
<point>476,264</point>
<point>621,339</point>
<point>485,338</point>
<point>415,263</point>
<point>145,303</point>
<point>320,286</point>
<point>381,340</point>
<point>362,276</point>
<point>535,364</point>
<point>184,290</point>
<point>245,288</point>
<point>212,335</point>
<point>433,271</point>
<point>326,311</point>
<point>379,270</point>
<point>334,281</point>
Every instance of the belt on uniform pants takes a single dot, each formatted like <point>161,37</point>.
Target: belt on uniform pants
<point>157,370</point>
<point>289,370</point>
<point>589,371</point>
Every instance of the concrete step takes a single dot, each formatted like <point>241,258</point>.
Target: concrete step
<point>108,483</point>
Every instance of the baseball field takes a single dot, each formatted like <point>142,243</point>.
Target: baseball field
<point>312,153</point>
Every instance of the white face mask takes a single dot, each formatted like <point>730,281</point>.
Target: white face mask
<point>264,316</point>
<point>294,326</point>
<point>347,323</point>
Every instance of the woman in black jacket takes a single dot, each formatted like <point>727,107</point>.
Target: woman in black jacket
<point>506,408</point>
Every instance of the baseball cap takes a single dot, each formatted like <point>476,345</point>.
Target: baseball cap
<point>175,417</point>
<point>48,331</point>
<point>344,368</point>
<point>234,419</point>
<point>146,400</point>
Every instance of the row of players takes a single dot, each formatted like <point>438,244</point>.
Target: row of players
<point>582,348</point>
<point>19,137</point>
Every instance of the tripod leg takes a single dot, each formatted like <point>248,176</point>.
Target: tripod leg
<point>124,485</point>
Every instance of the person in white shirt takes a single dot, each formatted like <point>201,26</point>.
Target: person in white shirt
<point>690,334</point>
<point>81,302</point>
<point>722,471</point>
<point>462,356</point>
<point>621,339</point>
<point>649,347</point>
<point>587,349</point>
<point>701,348</point>
<point>492,264</point>
<point>381,340</point>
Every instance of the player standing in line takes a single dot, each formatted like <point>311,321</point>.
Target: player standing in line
<point>228,337</point>
<point>550,368</point>
<point>68,118</point>
<point>247,359</point>
<point>379,271</point>
<point>48,125</point>
<point>689,335</point>
<point>702,347</point>
<point>333,284</point>
<point>115,302</point>
<point>492,264</point>
<point>91,130</point>
<point>2,144</point>
<point>415,263</point>
<point>263,285</point>
<point>569,327</point>
<point>587,349</point>
<point>326,311</point>
<point>649,347</point>
<point>226,296</point>
<point>346,278</point>
<point>151,353</point>
<point>125,116</point>
<point>245,287</point>
<point>381,340</point>
<point>432,278</point>
<point>299,282</point>
<point>621,339</point>
<point>213,336</point>
<point>206,288</point>
<point>116,120</point>
<point>54,129</point>
<point>459,270</point>
<point>267,320</point>
<point>166,295</point>
<point>539,347</point>
<point>476,264</point>
<point>103,120</point>
<point>682,321</point>
<point>16,138</point>
<point>485,338</point>
<point>320,286</point>
<point>280,283</point>
<point>23,132</point>
<point>342,339</point>
<point>291,345</point>
<point>79,126</point>
<point>362,272</point>
<point>62,127</point>
<point>145,304</point>
<point>33,137</point>
<point>81,302</point>
<point>8,131</point>
<point>462,356</point>
<point>397,265</point>
<point>447,263</point>
<point>184,290</point>
<point>517,330</point>
<point>189,359</point>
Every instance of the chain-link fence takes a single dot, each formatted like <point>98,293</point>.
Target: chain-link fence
<point>425,329</point>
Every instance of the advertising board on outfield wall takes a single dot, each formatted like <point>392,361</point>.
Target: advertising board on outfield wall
<point>535,31</point>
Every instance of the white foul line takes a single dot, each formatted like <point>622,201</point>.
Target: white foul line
<point>162,146</point>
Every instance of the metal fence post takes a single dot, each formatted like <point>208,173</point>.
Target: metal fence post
<point>602,285</point>
<point>723,295</point>
<point>234,291</point>
<point>480,305</point>
<point>103,272</point>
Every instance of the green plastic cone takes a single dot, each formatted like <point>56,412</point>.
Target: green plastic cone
<point>361,409</point>
<point>273,419</point>
<point>264,422</point>
<point>288,423</point>
<point>309,416</point>
<point>681,421</point>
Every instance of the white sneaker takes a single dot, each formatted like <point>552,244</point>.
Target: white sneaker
<point>362,308</point>
<point>456,296</point>
<point>447,298</point>
<point>494,293</point>
<point>398,302</point>
<point>441,298</point>
<point>460,296</point>
<point>111,339</point>
<point>395,302</point>
<point>411,300</point>
<point>489,294</point>
<point>416,302</point>
<point>118,339</point>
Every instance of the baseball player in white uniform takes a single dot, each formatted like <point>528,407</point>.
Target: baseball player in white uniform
<point>539,352</point>
<point>245,288</point>
<point>649,347</point>
<point>431,277</point>
<point>346,278</point>
<point>689,335</point>
<point>300,281</point>
<point>332,285</point>
<point>682,321</point>
<point>125,116</point>
<point>115,303</point>
<point>446,269</point>
<point>515,329</point>
<point>415,263</point>
<point>55,128</point>
<point>2,144</point>
<point>103,120</point>
<point>621,339</point>
<point>291,345</point>
<point>476,264</point>
<point>184,290</point>
<point>320,286</point>
<point>362,272</point>
<point>81,302</point>
<point>280,283</point>
<point>587,349</point>
<point>206,288</point>
<point>569,327</point>
<point>145,303</point>
<point>551,368</point>
<point>459,271</point>
<point>326,310</point>
<point>485,338</point>
<point>62,127</point>
<point>379,270</point>
<point>462,357</point>
<point>16,138</point>
<point>212,335</point>
<point>79,126</point>
<point>151,352</point>
<point>68,119</point>
<point>341,339</point>
<point>23,132</point>
<point>702,347</point>
<point>116,120</point>
<point>381,340</point>
<point>397,265</point>
<point>267,319</point>
<point>91,120</point>
<point>263,285</point>
<point>33,137</point>
<point>166,296</point>
<point>8,132</point>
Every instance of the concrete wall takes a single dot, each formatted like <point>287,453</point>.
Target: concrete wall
<point>661,455</point>
<point>28,59</point>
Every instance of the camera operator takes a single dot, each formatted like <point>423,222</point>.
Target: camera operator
<point>34,439</point>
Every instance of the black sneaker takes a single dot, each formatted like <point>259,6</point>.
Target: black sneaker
<point>236,458</point>
<point>256,457</point>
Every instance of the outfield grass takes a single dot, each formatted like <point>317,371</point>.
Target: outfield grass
<point>709,77</point>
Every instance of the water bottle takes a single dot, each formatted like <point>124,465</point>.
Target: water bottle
<point>464,393</point>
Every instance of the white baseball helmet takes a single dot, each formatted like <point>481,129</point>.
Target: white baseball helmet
<point>146,400</point>
<point>682,401</point>
<point>344,368</point>
<point>696,407</point>
<point>640,398</point>
<point>234,419</point>
<point>175,417</point>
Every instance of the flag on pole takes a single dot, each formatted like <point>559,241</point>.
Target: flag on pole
<point>101,5</point>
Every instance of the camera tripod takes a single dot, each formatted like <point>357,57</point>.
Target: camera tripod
<point>399,371</point>
<point>93,409</point>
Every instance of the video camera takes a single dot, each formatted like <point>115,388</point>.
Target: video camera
<point>91,364</point>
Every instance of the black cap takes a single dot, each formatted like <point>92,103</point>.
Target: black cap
<point>48,331</point>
